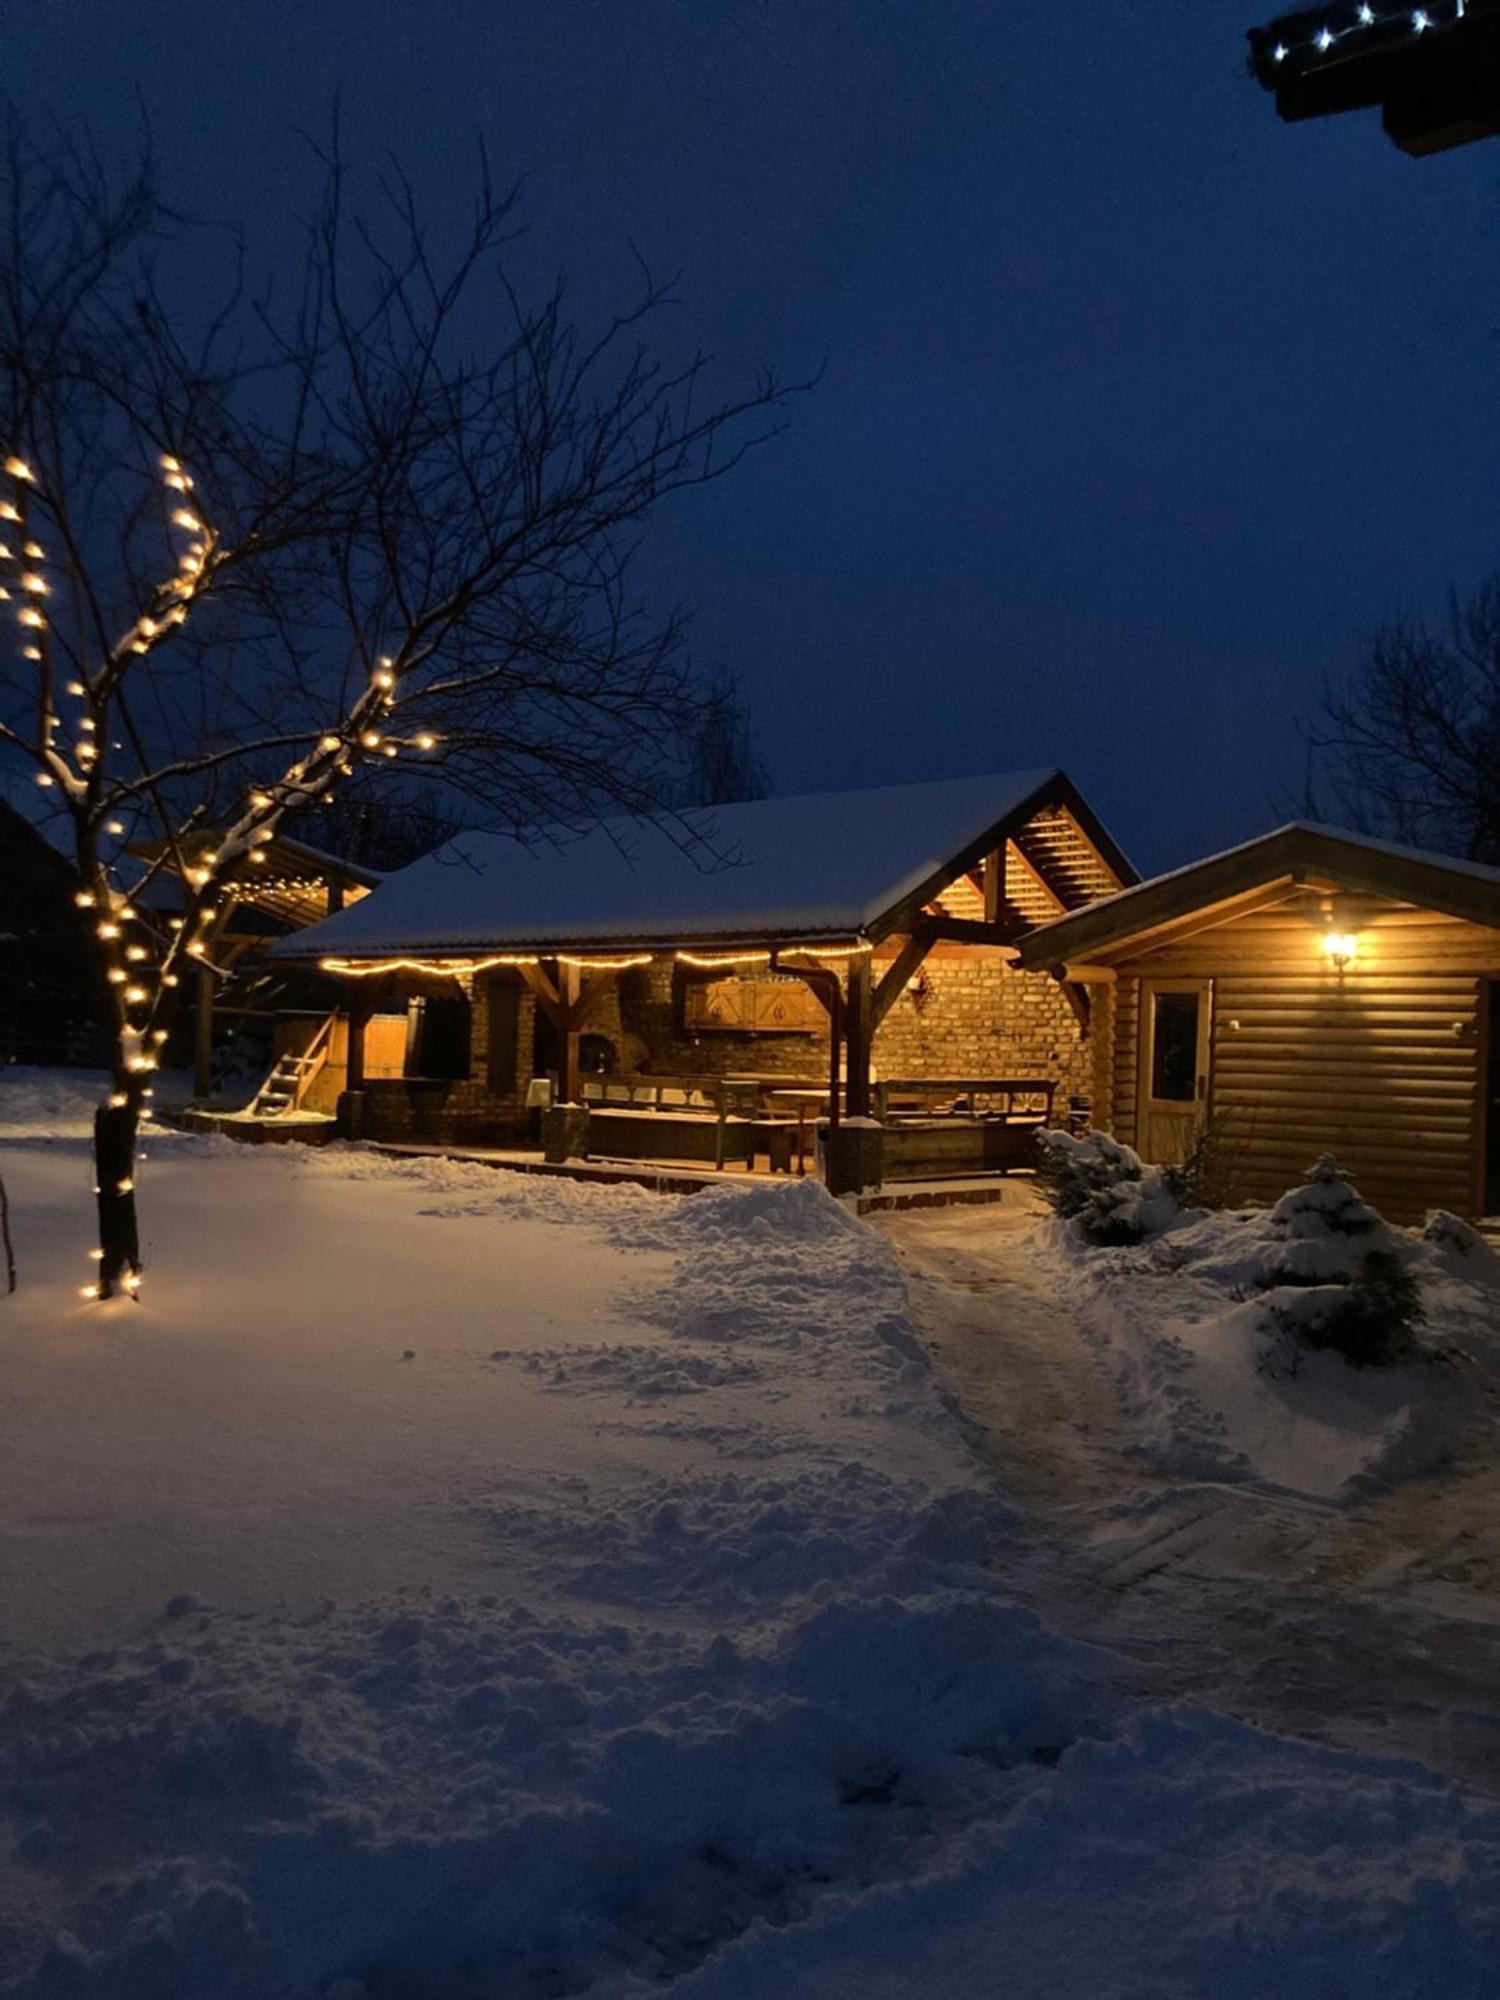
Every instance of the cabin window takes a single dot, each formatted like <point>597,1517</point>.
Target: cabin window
<point>438,1039</point>
<point>1174,1047</point>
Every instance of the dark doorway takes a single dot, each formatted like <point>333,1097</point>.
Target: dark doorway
<point>503,999</point>
<point>439,1041</point>
<point>1492,1105</point>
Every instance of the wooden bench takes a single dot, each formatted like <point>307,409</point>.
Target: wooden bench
<point>939,1126</point>
<point>681,1118</point>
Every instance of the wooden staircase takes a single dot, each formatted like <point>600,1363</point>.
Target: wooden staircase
<point>292,1077</point>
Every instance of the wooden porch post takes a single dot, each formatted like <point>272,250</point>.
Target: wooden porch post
<point>568,983</point>
<point>361,1007</point>
<point>203,1037</point>
<point>858,1035</point>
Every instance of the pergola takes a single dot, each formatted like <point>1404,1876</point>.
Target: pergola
<point>847,892</point>
<point>1432,70</point>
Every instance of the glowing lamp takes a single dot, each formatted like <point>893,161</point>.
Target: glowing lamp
<point>1340,948</point>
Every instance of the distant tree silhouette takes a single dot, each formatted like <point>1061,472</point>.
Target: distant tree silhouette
<point>1407,744</point>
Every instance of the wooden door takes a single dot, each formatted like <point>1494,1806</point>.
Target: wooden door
<point>1173,1091</point>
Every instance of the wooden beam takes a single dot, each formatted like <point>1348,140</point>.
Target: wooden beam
<point>1029,867</point>
<point>897,977</point>
<point>994,882</point>
<point>1080,1001</point>
<point>361,1007</point>
<point>963,930</point>
<point>859,1033</point>
<point>548,998</point>
<point>569,1016</point>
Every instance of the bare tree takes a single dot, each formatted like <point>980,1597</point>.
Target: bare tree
<point>379,515</point>
<point>723,763</point>
<point>1407,745</point>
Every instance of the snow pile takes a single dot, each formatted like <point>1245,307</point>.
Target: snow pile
<point>48,1104</point>
<point>1227,1338</point>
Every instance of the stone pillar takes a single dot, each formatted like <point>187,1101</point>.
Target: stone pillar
<point>853,1155</point>
<point>565,1133</point>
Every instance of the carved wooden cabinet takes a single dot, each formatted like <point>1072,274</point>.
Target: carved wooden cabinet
<point>762,1006</point>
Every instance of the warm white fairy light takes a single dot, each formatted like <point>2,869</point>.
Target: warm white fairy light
<point>19,469</point>
<point>1336,28</point>
<point>84,899</point>
<point>721,959</point>
<point>136,994</point>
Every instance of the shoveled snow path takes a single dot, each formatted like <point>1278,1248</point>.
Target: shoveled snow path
<point>1373,1626</point>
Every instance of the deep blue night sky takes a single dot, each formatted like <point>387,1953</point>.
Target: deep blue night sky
<point>1138,404</point>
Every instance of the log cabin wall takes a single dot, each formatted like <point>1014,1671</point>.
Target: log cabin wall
<point>1382,1065</point>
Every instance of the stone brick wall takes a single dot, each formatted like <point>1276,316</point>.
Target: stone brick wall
<point>974,1016</point>
<point>464,1111</point>
<point>650,1013</point>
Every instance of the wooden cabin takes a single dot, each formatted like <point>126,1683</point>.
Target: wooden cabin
<point>1312,991</point>
<point>709,985</point>
<point>1432,69</point>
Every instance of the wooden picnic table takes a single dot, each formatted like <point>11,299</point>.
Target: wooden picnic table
<point>802,1098</point>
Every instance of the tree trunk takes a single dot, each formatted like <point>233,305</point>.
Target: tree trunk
<point>114,1170</point>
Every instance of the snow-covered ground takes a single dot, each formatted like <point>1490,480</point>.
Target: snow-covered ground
<point>447,1584</point>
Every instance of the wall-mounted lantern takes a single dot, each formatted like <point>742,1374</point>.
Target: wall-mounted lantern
<point>1340,948</point>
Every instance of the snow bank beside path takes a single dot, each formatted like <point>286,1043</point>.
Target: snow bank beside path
<point>1182,1323</point>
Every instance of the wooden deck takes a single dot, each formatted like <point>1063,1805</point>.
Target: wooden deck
<point>686,1177</point>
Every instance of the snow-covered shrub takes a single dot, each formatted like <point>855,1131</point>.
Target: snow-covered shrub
<point>1103,1188</point>
<point>1211,1173</point>
<point>1344,1278</point>
<point>1372,1322</point>
<point>1460,1244</point>
<point>1322,1231</point>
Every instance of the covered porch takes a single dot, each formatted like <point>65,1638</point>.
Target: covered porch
<point>823,985</point>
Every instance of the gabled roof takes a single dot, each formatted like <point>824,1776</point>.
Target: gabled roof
<point>1299,854</point>
<point>827,865</point>
<point>289,881</point>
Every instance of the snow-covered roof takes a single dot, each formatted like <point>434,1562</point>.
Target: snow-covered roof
<point>826,865</point>
<point>1467,889</point>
